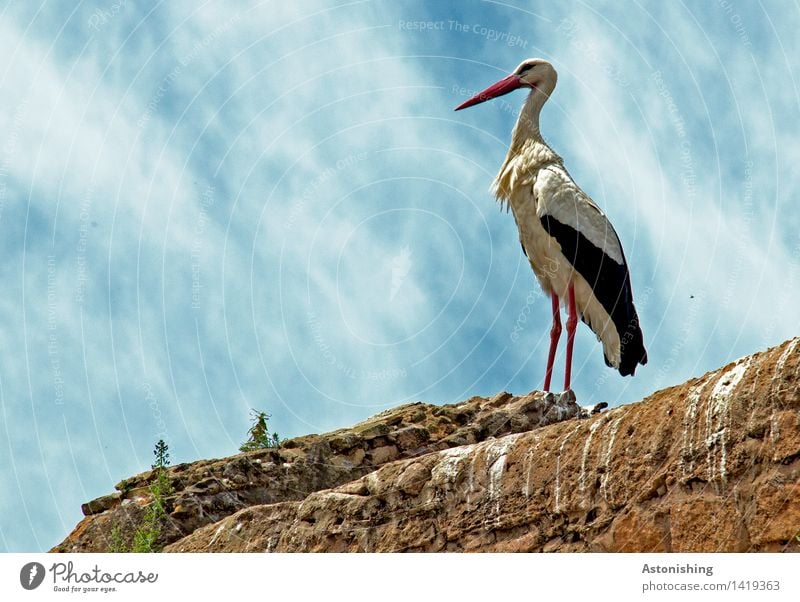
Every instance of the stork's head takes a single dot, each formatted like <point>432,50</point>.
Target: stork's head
<point>537,74</point>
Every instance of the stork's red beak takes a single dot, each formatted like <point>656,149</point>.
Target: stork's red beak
<point>504,86</point>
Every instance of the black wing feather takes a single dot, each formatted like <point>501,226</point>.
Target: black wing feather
<point>611,285</point>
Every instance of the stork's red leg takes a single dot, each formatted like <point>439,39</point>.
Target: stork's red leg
<point>555,333</point>
<point>572,324</point>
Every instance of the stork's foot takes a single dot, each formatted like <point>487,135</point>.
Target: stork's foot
<point>560,406</point>
<point>567,396</point>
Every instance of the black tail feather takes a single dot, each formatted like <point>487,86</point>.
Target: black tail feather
<point>632,351</point>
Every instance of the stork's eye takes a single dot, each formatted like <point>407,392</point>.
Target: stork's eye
<point>525,68</point>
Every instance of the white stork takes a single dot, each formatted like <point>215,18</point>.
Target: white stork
<point>574,251</point>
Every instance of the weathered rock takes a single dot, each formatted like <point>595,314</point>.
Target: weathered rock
<point>413,478</point>
<point>209,490</point>
<point>412,439</point>
<point>711,465</point>
<point>101,504</point>
<point>383,454</point>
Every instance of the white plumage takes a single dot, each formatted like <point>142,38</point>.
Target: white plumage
<point>574,251</point>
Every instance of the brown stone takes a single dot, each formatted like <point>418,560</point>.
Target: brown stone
<point>785,425</point>
<point>412,438</point>
<point>639,531</point>
<point>357,456</point>
<point>711,465</point>
<point>344,441</point>
<point>413,479</point>
<point>101,504</point>
<point>707,524</point>
<point>382,455</point>
<point>776,514</point>
<point>207,491</point>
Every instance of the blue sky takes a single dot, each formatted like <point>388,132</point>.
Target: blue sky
<point>206,209</point>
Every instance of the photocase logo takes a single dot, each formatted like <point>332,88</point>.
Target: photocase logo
<point>66,578</point>
<point>401,266</point>
<point>31,575</point>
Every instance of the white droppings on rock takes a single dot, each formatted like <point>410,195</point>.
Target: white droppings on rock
<point>527,465</point>
<point>582,479</point>
<point>448,466</point>
<point>785,355</point>
<point>373,482</point>
<point>716,438</point>
<point>782,362</point>
<point>496,476</point>
<point>728,381</point>
<point>496,453</point>
<point>774,432</point>
<point>495,482</point>
<point>690,426</point>
<point>607,455</point>
<point>717,418</point>
<point>217,534</point>
<point>557,494</point>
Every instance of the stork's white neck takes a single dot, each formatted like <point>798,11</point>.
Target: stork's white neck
<point>527,127</point>
<point>528,151</point>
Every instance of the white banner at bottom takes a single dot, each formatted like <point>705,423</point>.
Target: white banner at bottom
<point>389,577</point>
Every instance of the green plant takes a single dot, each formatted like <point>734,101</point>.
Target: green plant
<point>117,544</point>
<point>259,436</point>
<point>145,538</point>
<point>161,452</point>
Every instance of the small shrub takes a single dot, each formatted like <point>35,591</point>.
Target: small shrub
<point>259,436</point>
<point>161,452</point>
